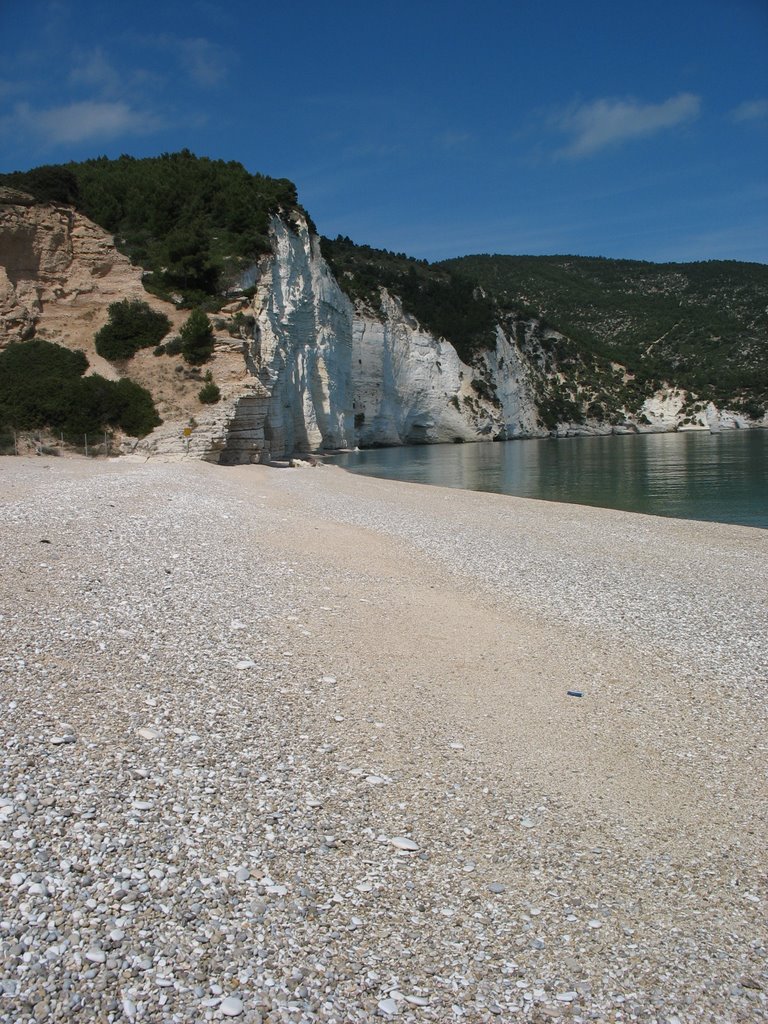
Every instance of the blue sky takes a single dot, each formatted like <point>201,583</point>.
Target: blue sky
<point>635,130</point>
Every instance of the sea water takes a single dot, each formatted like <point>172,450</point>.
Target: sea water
<point>690,475</point>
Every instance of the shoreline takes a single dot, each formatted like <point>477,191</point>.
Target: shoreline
<point>507,469</point>
<point>406,655</point>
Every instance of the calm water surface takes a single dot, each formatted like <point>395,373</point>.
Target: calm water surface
<point>720,477</point>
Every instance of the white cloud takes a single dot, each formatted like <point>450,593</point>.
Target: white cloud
<point>77,122</point>
<point>607,122</point>
<point>752,110</point>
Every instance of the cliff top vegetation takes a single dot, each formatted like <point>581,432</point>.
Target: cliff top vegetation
<point>193,223</point>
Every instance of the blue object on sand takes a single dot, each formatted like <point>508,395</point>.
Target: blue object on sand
<point>575,693</point>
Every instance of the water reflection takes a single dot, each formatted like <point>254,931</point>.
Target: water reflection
<point>719,477</point>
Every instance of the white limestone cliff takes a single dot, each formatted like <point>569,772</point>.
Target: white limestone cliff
<point>328,374</point>
<point>341,376</point>
<point>302,349</point>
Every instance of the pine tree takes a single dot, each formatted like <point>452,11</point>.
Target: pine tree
<point>197,338</point>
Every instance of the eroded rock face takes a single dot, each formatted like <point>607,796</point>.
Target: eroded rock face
<point>53,257</point>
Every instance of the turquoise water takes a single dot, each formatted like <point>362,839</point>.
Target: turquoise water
<point>718,477</point>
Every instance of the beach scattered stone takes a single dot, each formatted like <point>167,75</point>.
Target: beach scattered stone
<point>142,879</point>
<point>527,822</point>
<point>245,663</point>
<point>231,1006</point>
<point>594,923</point>
<point>328,679</point>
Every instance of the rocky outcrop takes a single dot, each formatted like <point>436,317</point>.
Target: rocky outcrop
<point>52,256</point>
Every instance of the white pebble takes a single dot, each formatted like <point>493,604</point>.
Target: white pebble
<point>401,843</point>
<point>231,1006</point>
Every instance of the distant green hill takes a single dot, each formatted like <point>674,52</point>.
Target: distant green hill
<point>191,221</point>
<point>702,326</point>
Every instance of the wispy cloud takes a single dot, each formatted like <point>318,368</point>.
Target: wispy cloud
<point>608,122</point>
<point>92,69</point>
<point>78,122</point>
<point>453,140</point>
<point>752,110</point>
<point>203,61</point>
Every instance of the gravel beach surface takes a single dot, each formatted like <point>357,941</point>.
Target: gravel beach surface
<point>298,745</point>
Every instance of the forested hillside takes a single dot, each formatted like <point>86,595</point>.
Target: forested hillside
<point>703,326</point>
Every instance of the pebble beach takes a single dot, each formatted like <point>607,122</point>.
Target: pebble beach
<point>295,745</point>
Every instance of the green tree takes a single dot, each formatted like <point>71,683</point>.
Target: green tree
<point>189,266</point>
<point>197,338</point>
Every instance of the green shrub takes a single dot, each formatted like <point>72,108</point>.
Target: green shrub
<point>133,408</point>
<point>173,347</point>
<point>209,393</point>
<point>42,387</point>
<point>159,351</point>
<point>132,325</point>
<point>197,338</point>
